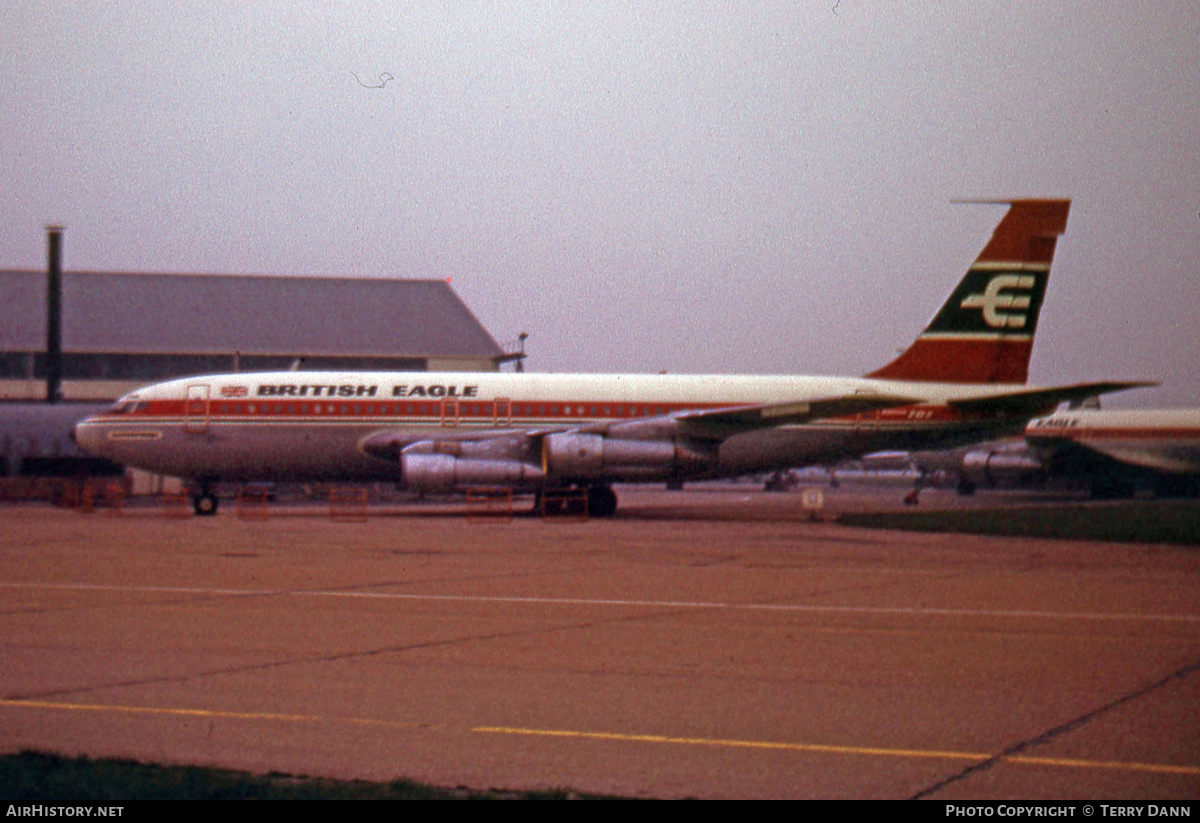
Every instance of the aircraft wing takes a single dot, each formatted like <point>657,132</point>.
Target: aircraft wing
<point>1035,402</point>
<point>725,422</point>
<point>702,424</point>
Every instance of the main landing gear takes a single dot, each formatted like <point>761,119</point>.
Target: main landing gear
<point>601,501</point>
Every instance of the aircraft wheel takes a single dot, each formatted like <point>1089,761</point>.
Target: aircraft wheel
<point>602,501</point>
<point>205,505</point>
<point>965,487</point>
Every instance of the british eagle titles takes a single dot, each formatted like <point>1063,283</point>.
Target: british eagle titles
<point>320,390</point>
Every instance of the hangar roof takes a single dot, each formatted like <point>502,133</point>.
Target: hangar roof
<point>174,313</point>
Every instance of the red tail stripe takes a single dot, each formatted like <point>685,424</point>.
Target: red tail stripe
<point>1028,232</point>
<point>998,360</point>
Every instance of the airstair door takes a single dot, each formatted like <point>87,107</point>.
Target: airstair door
<point>195,409</point>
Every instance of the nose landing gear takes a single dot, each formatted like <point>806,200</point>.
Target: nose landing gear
<point>204,502</point>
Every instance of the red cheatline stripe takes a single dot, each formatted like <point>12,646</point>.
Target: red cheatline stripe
<point>1087,433</point>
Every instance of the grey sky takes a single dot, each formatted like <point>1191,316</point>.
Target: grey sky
<point>758,188</point>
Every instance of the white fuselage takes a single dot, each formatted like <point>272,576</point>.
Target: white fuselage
<point>312,425</point>
<point>1166,440</point>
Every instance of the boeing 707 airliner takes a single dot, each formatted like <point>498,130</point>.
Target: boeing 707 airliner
<point>961,381</point>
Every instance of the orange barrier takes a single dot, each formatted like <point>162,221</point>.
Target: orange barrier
<point>82,494</point>
<point>567,503</point>
<point>16,488</point>
<point>114,498</point>
<point>252,503</point>
<point>85,500</point>
<point>493,504</point>
<point>66,494</point>
<point>347,505</point>
<point>93,495</point>
<point>175,504</point>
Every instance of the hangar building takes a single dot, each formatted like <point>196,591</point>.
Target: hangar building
<point>121,331</point>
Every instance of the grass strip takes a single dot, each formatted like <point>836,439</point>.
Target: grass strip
<point>34,777</point>
<point>1137,521</point>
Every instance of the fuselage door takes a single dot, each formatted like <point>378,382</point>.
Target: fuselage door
<point>195,409</point>
<point>503,412</point>
<point>866,423</point>
<point>450,412</point>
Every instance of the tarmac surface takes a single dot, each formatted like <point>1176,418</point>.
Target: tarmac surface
<point>705,643</point>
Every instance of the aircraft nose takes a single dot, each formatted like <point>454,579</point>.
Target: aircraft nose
<point>84,436</point>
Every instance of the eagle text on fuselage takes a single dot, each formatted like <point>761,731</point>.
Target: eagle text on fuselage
<point>346,390</point>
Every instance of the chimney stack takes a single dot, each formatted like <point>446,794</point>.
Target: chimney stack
<point>54,314</point>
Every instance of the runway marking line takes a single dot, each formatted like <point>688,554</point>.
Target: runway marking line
<point>1159,768</point>
<point>579,601</point>
<point>206,713</point>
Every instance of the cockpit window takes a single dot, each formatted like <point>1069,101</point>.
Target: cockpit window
<point>126,406</point>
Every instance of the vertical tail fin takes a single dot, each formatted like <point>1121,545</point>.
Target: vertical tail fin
<point>984,332</point>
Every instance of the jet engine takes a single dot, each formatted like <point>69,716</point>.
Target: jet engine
<point>446,466</point>
<point>579,456</point>
<point>990,468</point>
<point>445,473</point>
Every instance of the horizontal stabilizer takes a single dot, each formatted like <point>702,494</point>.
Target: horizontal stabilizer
<point>1035,402</point>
